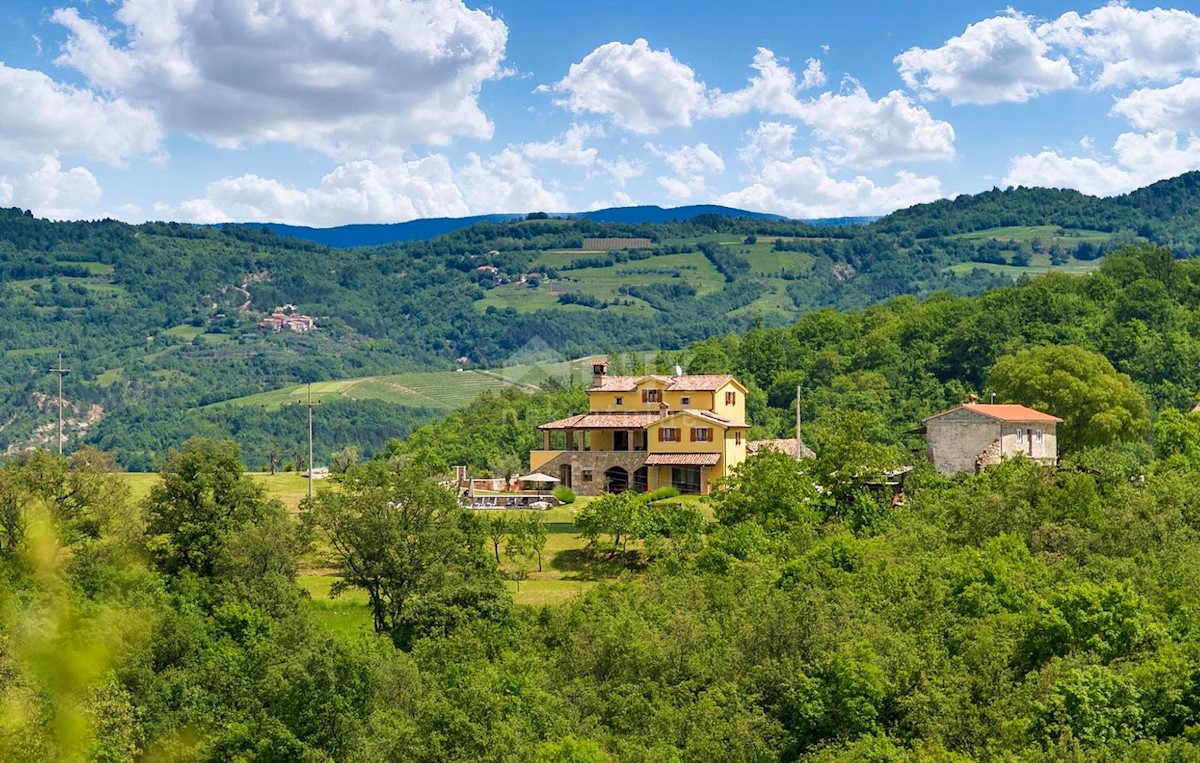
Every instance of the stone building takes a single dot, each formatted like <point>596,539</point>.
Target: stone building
<point>975,435</point>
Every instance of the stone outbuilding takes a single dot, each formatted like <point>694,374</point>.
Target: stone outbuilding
<point>976,435</point>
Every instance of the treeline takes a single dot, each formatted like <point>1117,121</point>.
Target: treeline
<point>141,436</point>
<point>1027,613</point>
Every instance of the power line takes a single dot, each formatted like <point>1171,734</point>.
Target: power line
<point>61,373</point>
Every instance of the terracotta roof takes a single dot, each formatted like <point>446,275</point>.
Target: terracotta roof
<point>633,420</point>
<point>699,383</point>
<point>683,459</point>
<point>685,383</point>
<point>617,383</point>
<point>786,447</point>
<point>1009,412</point>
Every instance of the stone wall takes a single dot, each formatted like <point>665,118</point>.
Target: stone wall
<point>598,462</point>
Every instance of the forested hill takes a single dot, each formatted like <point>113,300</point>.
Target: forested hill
<point>1166,212</point>
<point>157,321</point>
<point>388,233</point>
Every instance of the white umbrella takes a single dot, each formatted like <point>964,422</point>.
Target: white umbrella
<point>540,479</point>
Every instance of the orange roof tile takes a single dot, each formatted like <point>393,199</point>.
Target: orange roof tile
<point>685,383</point>
<point>1006,412</point>
<point>786,447</point>
<point>633,420</point>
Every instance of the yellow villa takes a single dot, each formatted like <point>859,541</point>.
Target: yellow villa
<point>647,432</point>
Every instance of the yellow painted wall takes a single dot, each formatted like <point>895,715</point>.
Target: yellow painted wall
<point>702,401</point>
<point>607,402</point>
<point>735,412</point>
<point>539,457</point>
<point>734,453</point>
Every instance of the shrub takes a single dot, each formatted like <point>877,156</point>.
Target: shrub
<point>564,494</point>
<point>662,493</point>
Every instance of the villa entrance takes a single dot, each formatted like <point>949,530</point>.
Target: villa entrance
<point>616,480</point>
<point>641,480</point>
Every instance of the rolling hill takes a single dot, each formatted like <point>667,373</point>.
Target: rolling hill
<point>158,322</point>
<point>387,233</point>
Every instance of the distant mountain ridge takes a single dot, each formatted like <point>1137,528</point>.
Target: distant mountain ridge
<point>375,234</point>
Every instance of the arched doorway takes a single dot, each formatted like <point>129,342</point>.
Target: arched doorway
<point>616,480</point>
<point>641,479</point>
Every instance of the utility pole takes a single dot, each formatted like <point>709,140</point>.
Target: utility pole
<point>310,405</point>
<point>61,373</point>
<point>800,446</point>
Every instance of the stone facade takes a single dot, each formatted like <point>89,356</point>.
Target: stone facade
<point>967,440</point>
<point>598,462</point>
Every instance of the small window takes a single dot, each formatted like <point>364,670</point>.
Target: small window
<point>668,434</point>
<point>1038,436</point>
<point>685,401</point>
<point>620,401</point>
<point>649,396</point>
<point>702,434</point>
<point>1020,437</point>
<point>737,437</point>
<point>730,398</point>
<point>586,476</point>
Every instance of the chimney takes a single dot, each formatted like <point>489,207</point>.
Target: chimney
<point>599,369</point>
<point>972,399</point>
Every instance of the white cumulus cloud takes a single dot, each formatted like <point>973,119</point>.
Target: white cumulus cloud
<point>639,88</point>
<point>1138,159</point>
<point>1130,45</point>
<point>48,190</point>
<point>569,148</point>
<point>770,140</point>
<point>622,170</point>
<point>39,116</point>
<point>1001,59</point>
<point>804,188</point>
<point>380,191</point>
<point>771,90</point>
<point>341,77</point>
<point>1171,108</point>
<point>865,133</point>
<point>691,166</point>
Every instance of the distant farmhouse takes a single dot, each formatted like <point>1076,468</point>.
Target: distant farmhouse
<point>286,319</point>
<point>976,435</point>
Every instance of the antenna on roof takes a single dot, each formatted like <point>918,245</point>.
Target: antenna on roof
<point>678,370</point>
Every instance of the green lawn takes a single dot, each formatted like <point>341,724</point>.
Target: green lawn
<point>347,614</point>
<point>1037,266</point>
<point>566,570</point>
<point>95,268</point>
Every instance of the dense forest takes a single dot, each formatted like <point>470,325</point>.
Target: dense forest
<point>158,321</point>
<point>1030,612</point>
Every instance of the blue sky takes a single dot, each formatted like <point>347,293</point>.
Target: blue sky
<point>327,112</point>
